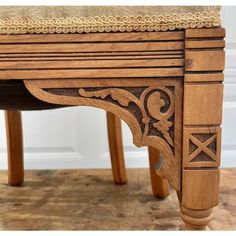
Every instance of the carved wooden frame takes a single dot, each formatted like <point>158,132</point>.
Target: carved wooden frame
<point>202,117</point>
<point>134,102</point>
<point>167,86</point>
<point>202,147</point>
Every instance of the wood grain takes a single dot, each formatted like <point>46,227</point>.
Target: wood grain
<point>124,63</point>
<point>139,77</point>
<point>205,44</point>
<point>65,200</point>
<point>90,47</point>
<point>205,33</point>
<point>203,104</point>
<point>203,95</point>
<point>94,37</point>
<point>7,56</point>
<point>116,149</point>
<point>209,60</point>
<point>204,77</point>
<point>160,186</point>
<point>200,188</point>
<point>90,73</point>
<point>73,57</point>
<point>97,55</point>
<point>199,195</point>
<point>15,150</point>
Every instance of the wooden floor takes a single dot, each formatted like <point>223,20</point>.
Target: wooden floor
<point>88,200</point>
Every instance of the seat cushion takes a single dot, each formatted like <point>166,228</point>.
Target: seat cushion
<point>86,19</point>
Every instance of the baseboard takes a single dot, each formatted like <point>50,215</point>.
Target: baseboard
<point>71,160</point>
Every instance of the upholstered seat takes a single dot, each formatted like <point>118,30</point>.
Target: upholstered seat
<point>80,19</point>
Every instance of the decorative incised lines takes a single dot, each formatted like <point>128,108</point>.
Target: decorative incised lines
<point>153,107</point>
<point>150,103</point>
<point>201,147</point>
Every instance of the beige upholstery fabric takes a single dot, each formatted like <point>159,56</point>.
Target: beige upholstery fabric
<point>80,19</point>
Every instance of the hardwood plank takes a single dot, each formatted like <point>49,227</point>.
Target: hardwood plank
<point>203,104</point>
<point>92,64</point>
<point>209,60</point>
<point>69,58</point>
<point>106,82</point>
<point>94,37</point>
<point>90,47</point>
<point>204,44</point>
<point>200,188</point>
<point>90,73</point>
<point>90,54</point>
<point>205,33</point>
<point>204,77</point>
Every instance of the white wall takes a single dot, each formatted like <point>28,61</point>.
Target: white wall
<point>229,110</point>
<point>77,137</point>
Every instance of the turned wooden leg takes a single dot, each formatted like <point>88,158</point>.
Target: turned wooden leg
<point>200,195</point>
<point>116,149</point>
<point>160,186</point>
<point>14,148</point>
<point>202,117</point>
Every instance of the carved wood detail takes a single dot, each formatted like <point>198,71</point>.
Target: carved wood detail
<point>153,107</point>
<point>202,117</point>
<point>202,147</point>
<point>140,77</point>
<point>148,106</point>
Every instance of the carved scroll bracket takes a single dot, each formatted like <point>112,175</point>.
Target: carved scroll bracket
<point>151,108</point>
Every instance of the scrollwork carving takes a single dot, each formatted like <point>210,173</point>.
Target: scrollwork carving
<point>150,103</point>
<point>150,107</point>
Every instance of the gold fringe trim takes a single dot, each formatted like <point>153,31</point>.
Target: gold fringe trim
<point>109,23</point>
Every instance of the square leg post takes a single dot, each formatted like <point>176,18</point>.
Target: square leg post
<point>202,117</point>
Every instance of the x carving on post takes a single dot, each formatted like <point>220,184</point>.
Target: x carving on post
<point>203,147</point>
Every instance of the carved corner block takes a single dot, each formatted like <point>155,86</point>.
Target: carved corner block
<point>202,147</point>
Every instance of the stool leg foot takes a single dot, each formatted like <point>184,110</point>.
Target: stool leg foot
<point>160,186</point>
<point>200,189</point>
<point>196,219</point>
<point>14,148</point>
<point>116,149</point>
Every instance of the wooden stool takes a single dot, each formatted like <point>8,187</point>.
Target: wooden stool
<point>16,153</point>
<point>159,69</point>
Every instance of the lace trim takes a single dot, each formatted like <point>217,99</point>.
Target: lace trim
<point>109,23</point>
